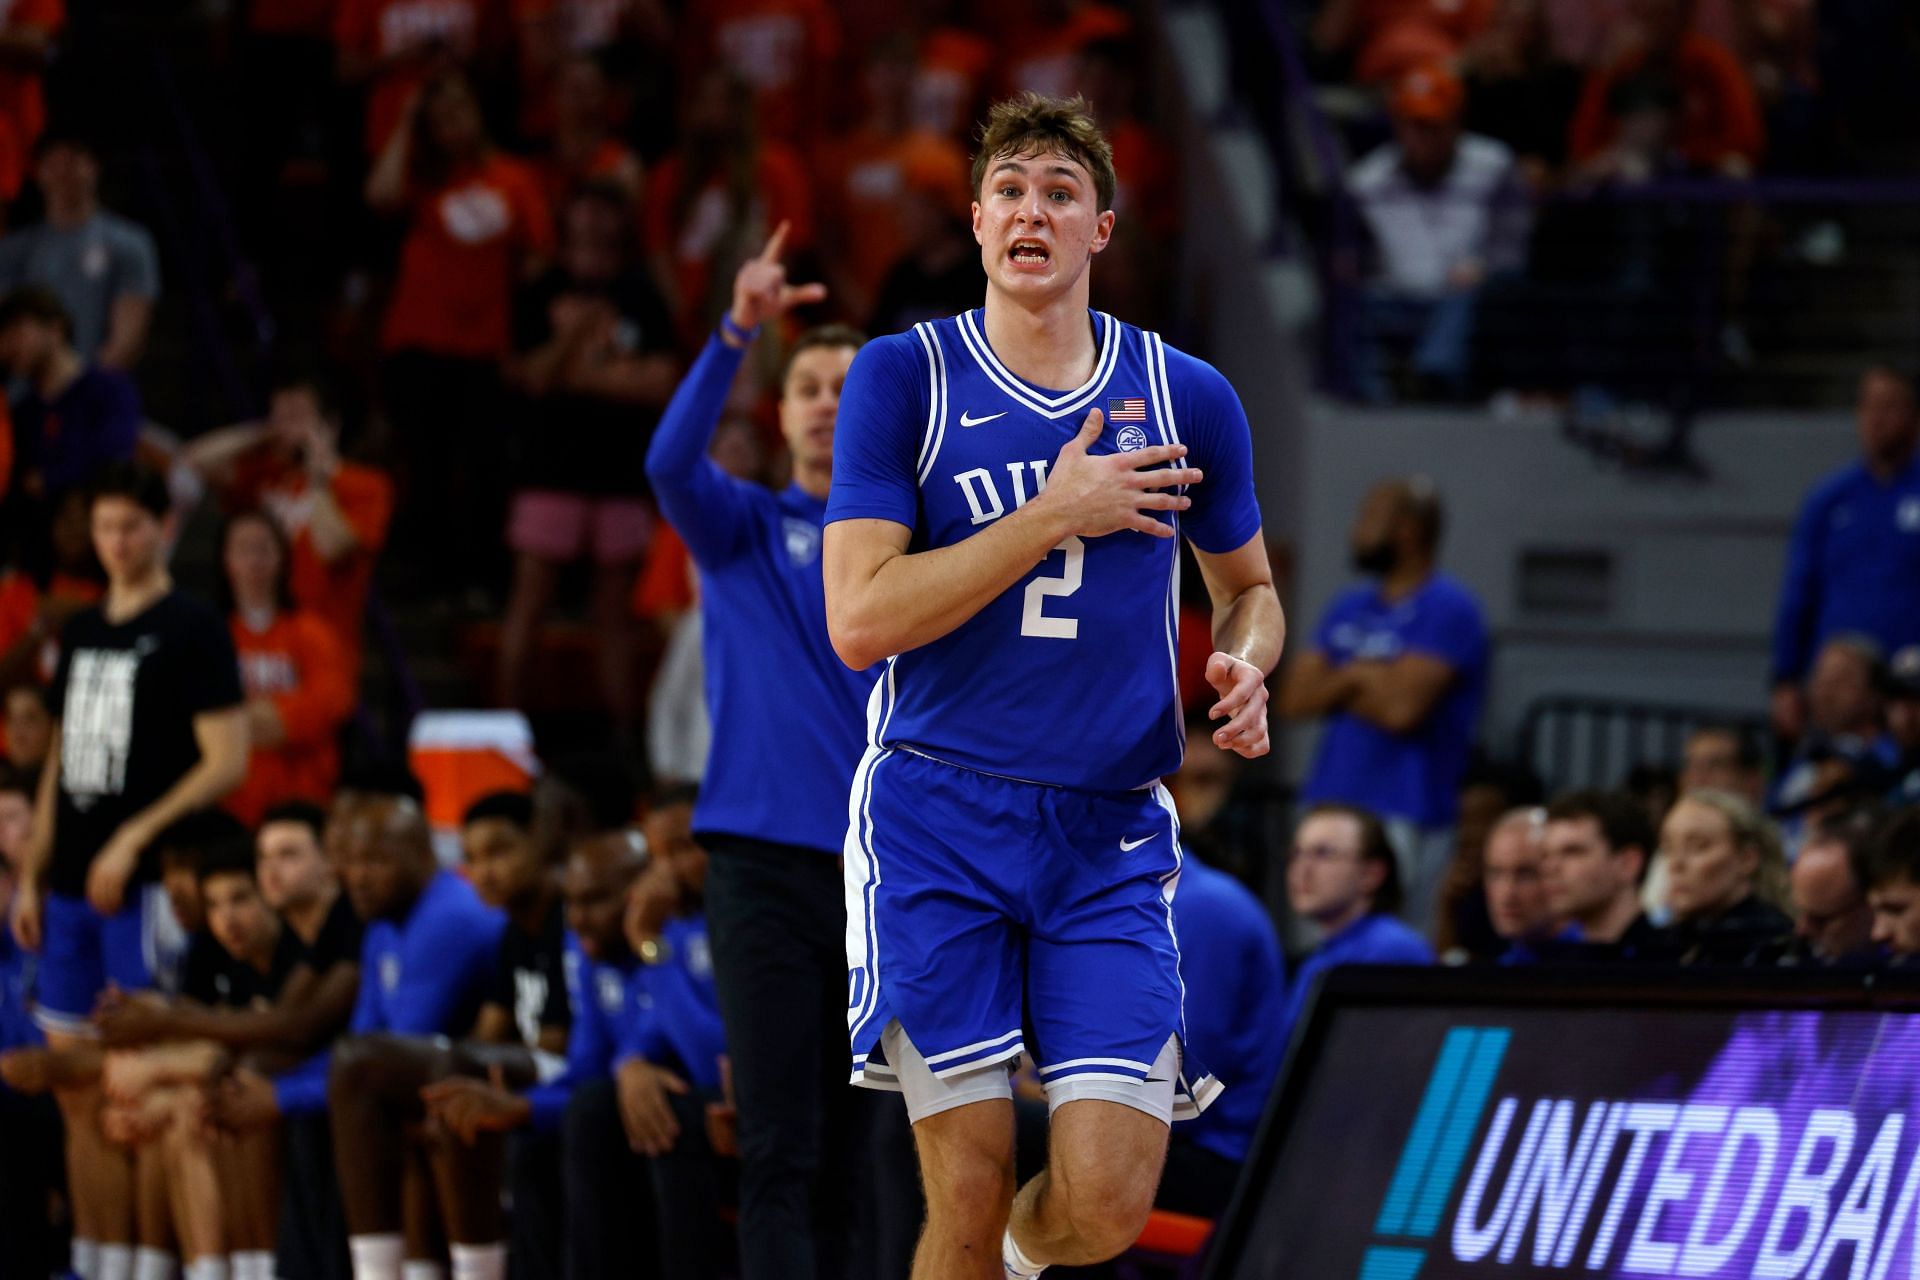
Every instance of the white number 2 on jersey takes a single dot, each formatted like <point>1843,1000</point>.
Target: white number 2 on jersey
<point>1033,618</point>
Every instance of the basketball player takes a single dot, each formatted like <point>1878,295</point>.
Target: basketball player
<point>1008,488</point>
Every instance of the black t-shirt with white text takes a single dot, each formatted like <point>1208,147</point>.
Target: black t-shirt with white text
<point>232,983</point>
<point>127,694</point>
<point>531,981</point>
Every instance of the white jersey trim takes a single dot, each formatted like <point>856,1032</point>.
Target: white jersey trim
<point>1046,406</point>
<point>936,400</point>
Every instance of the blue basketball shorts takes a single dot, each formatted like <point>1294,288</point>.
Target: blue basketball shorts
<point>992,917</point>
<point>82,951</point>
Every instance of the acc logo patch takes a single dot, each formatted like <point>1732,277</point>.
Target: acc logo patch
<point>1130,438</point>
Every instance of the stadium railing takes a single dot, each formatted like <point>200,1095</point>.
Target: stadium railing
<point>1572,741</point>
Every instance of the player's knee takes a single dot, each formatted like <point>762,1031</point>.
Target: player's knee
<point>973,1189</point>
<point>1108,1208</point>
<point>354,1068</point>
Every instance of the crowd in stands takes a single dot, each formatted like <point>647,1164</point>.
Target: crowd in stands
<point>1544,160</point>
<point>251,1025</point>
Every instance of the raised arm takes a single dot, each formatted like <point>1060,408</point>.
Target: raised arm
<point>699,499</point>
<point>882,600</point>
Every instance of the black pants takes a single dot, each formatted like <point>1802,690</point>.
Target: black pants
<point>537,1225</point>
<point>32,1156</point>
<point>313,1226</point>
<point>813,1199</point>
<point>628,1215</point>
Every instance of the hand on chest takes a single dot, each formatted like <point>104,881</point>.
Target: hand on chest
<point>996,461</point>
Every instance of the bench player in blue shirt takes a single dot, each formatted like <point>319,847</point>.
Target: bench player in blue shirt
<point>1009,549</point>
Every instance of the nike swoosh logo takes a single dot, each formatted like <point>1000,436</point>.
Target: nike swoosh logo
<point>967,420</point>
<point>1128,846</point>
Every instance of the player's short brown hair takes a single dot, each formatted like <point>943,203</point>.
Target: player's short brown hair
<point>824,335</point>
<point>1031,124</point>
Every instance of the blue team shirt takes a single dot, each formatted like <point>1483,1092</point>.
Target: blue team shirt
<point>1372,939</point>
<point>1414,776</point>
<point>425,975</point>
<point>1853,564</point>
<point>936,434</point>
<point>786,712</point>
<point>17,1027</point>
<point>1236,999</point>
<point>676,1022</point>
<point>602,997</point>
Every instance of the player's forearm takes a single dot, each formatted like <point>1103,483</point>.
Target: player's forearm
<point>39,850</point>
<point>200,787</point>
<point>679,444</point>
<point>1311,689</point>
<point>1253,628</point>
<point>910,600</point>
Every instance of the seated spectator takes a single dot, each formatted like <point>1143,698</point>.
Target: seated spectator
<point>1832,922</point>
<point>584,150</point>
<point>1516,883</point>
<point>1717,128</point>
<point>222,1197</point>
<point>478,224</point>
<point>1903,721</point>
<point>1387,38</point>
<point>1446,212</point>
<point>715,199</point>
<point>1846,725</point>
<point>1042,42</point>
<point>1236,998</point>
<point>594,357</point>
<point>1893,888</point>
<point>39,601</point>
<point>1343,877</point>
<point>1849,564</point>
<point>27,33</point>
<point>73,415</point>
<point>1398,669</point>
<point>1490,792</point>
<point>29,728</point>
<point>333,511</point>
<point>517,1029</point>
<point>429,949</point>
<point>30,1156</point>
<point>101,267</point>
<point>1597,845</point>
<point>1727,879</point>
<point>1520,91</point>
<point>1722,758</point>
<point>292,670</point>
<point>600,872</point>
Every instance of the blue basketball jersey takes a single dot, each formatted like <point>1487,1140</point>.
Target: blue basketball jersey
<point>1069,677</point>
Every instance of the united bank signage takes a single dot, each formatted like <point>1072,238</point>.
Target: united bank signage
<point>1777,1145</point>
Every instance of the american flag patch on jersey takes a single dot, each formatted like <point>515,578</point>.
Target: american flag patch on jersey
<point>1131,409</point>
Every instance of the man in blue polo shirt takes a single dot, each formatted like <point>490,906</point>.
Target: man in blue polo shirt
<point>1343,878</point>
<point>787,734</point>
<point>1398,670</point>
<point>1854,561</point>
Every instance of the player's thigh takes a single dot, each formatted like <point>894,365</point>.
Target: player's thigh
<point>966,1156</point>
<point>129,939</point>
<point>1104,990</point>
<point>934,862</point>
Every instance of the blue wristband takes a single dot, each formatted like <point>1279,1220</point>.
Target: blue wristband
<point>744,337</point>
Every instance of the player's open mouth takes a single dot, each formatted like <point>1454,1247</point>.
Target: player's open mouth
<point>1029,253</point>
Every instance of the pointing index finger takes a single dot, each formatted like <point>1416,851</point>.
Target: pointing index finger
<point>776,243</point>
